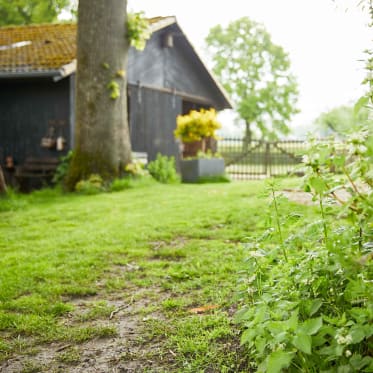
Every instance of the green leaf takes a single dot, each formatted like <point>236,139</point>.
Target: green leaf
<point>358,362</point>
<point>278,360</point>
<point>318,184</point>
<point>357,333</point>
<point>303,342</point>
<point>292,323</point>
<point>315,306</point>
<point>344,369</point>
<point>311,326</point>
<point>260,344</point>
<point>333,350</point>
<point>307,188</point>
<point>276,327</point>
<point>363,101</point>
<point>247,336</point>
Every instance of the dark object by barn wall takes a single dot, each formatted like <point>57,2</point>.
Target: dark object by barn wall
<point>152,120</point>
<point>26,107</point>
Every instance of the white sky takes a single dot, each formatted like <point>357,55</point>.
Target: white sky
<point>325,40</point>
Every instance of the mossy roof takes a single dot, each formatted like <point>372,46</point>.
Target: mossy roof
<point>46,47</point>
<point>37,47</point>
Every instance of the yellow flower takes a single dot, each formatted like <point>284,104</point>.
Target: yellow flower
<point>196,125</point>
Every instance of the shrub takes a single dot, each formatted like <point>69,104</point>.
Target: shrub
<point>163,169</point>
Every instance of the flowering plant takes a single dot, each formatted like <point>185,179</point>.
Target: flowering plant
<point>197,125</point>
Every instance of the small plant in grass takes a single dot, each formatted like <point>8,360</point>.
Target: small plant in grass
<point>98,310</point>
<point>133,172</point>
<point>308,288</point>
<point>62,168</point>
<point>136,169</point>
<point>70,356</point>
<point>93,185</point>
<point>163,169</point>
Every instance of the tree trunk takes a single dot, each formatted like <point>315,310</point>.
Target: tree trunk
<point>2,182</point>
<point>247,138</point>
<point>102,142</point>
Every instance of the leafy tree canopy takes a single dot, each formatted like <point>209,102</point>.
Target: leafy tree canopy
<point>342,119</point>
<point>256,74</point>
<point>24,12</point>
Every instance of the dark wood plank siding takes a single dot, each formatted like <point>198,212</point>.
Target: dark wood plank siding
<point>26,106</point>
<point>153,120</point>
<point>147,66</point>
<point>185,73</point>
<point>176,68</point>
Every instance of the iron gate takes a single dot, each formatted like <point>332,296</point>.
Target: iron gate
<point>260,159</point>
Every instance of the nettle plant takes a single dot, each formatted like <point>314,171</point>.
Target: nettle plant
<point>308,290</point>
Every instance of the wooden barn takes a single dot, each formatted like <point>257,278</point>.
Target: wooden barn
<point>37,94</point>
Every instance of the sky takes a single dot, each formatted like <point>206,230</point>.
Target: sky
<point>325,40</point>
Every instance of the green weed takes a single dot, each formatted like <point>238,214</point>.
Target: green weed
<point>307,289</point>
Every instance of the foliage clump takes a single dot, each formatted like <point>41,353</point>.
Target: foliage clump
<point>62,168</point>
<point>136,169</point>
<point>25,12</point>
<point>138,31</point>
<point>93,185</point>
<point>163,169</point>
<point>197,125</point>
<point>308,293</point>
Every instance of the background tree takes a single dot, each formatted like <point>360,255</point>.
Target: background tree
<point>24,12</point>
<point>341,119</point>
<point>256,74</point>
<point>102,143</point>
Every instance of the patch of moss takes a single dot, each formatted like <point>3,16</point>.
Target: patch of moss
<point>84,164</point>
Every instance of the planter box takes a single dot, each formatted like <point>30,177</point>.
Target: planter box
<point>192,170</point>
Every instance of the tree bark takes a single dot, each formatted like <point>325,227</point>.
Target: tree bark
<point>102,142</point>
<point>247,138</point>
<point>2,182</point>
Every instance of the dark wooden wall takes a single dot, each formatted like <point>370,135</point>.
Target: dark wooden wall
<point>175,68</point>
<point>26,107</point>
<point>152,119</point>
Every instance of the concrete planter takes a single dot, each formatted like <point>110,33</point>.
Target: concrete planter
<point>192,170</point>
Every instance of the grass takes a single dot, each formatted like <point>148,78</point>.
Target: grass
<point>179,244</point>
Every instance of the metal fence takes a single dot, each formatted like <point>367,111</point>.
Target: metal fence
<point>260,159</point>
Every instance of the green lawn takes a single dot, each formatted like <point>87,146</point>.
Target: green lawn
<point>67,260</point>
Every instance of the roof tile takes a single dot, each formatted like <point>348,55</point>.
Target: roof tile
<point>44,47</point>
<point>37,47</point>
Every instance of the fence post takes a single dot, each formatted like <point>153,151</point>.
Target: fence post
<point>267,159</point>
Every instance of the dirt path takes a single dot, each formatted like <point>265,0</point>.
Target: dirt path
<point>131,350</point>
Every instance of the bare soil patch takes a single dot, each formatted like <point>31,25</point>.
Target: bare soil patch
<point>129,351</point>
<point>304,198</point>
